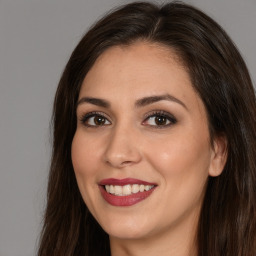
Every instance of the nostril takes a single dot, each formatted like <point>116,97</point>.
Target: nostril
<point>126,162</point>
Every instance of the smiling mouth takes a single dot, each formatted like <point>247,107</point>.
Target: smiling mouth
<point>128,189</point>
<point>125,192</point>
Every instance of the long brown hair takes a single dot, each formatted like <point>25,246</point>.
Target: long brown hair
<point>227,225</point>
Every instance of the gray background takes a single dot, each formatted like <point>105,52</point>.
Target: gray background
<point>36,39</point>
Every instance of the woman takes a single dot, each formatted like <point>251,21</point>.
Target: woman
<point>154,140</point>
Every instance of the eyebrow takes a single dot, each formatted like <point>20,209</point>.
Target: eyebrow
<point>139,103</point>
<point>94,101</point>
<point>152,99</point>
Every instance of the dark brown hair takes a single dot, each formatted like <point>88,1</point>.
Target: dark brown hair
<point>227,225</point>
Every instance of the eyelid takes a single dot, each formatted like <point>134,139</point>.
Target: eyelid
<point>150,114</point>
<point>88,115</point>
<point>163,113</point>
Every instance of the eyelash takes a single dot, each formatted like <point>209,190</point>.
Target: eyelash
<point>158,113</point>
<point>87,116</point>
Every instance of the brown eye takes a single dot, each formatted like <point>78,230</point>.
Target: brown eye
<point>95,120</point>
<point>160,120</point>
<point>99,120</point>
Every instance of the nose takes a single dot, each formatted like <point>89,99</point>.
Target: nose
<point>123,148</point>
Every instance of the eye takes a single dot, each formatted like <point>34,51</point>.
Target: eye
<point>95,119</point>
<point>159,119</point>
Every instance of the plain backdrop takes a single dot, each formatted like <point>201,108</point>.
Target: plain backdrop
<point>36,40</point>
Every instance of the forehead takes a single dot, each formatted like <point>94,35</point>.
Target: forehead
<point>141,65</point>
<point>124,74</point>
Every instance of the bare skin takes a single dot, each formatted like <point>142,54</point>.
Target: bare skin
<point>164,141</point>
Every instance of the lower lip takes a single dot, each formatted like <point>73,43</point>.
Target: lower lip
<point>125,200</point>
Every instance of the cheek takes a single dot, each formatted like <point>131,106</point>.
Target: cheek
<point>183,159</point>
<point>85,159</point>
<point>85,155</point>
<point>183,165</point>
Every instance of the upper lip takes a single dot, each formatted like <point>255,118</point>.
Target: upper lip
<point>123,182</point>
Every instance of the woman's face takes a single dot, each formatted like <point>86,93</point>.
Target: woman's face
<point>142,135</point>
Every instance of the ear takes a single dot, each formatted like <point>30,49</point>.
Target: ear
<point>219,156</point>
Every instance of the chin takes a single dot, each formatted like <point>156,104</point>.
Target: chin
<point>126,229</point>
<point>121,233</point>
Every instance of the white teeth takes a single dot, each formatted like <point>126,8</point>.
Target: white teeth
<point>147,187</point>
<point>118,190</point>
<point>135,188</point>
<point>111,189</point>
<point>127,190</point>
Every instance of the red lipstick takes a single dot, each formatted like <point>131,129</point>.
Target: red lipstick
<point>125,200</point>
<point>122,182</point>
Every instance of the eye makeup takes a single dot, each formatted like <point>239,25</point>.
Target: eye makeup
<point>159,119</point>
<point>95,119</point>
<point>155,119</point>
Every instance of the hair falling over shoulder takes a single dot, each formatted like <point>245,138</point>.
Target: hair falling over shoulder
<point>227,225</point>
